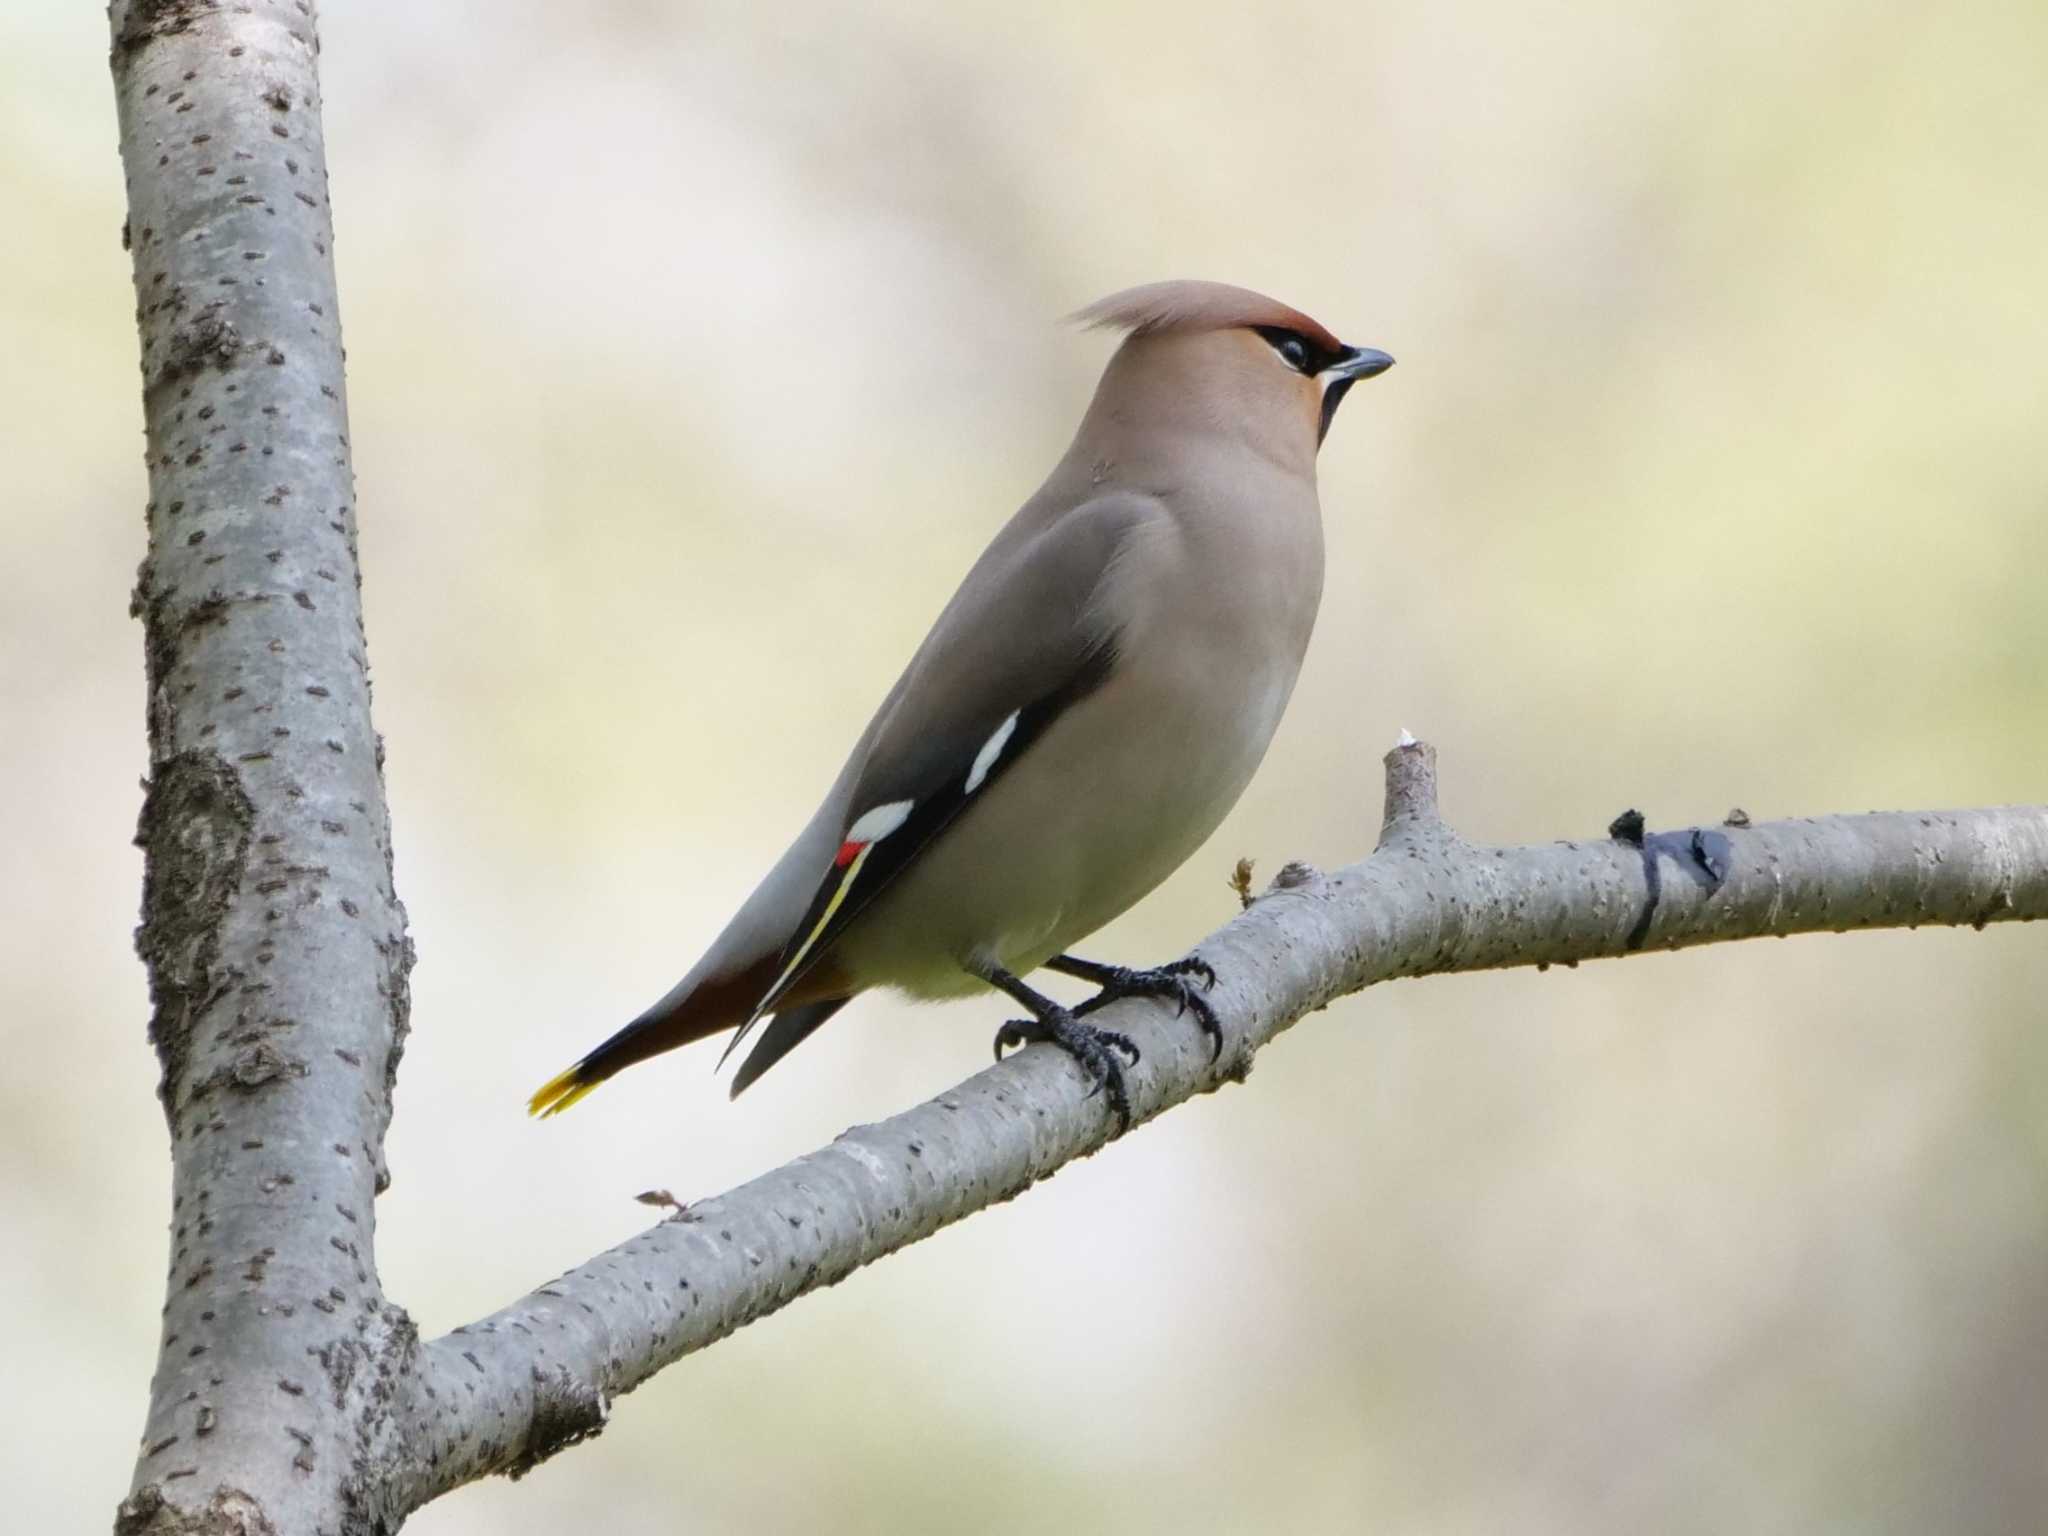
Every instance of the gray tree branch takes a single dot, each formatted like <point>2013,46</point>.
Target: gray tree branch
<point>517,1386</point>
<point>290,1394</point>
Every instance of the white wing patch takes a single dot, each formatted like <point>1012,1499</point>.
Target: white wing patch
<point>878,823</point>
<point>991,749</point>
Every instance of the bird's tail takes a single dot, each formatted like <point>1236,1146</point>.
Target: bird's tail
<point>720,1002</point>
<point>560,1091</point>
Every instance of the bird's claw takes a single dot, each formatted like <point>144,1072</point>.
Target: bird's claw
<point>1170,981</point>
<point>1094,1050</point>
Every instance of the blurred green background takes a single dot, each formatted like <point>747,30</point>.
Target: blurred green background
<point>696,349</point>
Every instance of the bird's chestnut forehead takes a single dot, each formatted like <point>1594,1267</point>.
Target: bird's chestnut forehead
<point>1157,308</point>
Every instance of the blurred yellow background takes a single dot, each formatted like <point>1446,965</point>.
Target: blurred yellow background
<point>696,349</point>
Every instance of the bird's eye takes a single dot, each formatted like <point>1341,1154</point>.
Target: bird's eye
<point>1292,347</point>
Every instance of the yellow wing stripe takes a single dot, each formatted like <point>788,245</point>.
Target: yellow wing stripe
<point>846,880</point>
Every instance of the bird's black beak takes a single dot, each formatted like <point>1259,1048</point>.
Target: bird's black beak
<point>1352,364</point>
<point>1358,363</point>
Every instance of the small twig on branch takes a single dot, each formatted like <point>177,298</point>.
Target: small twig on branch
<point>540,1374</point>
<point>1241,883</point>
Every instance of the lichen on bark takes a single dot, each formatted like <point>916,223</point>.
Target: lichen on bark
<point>197,823</point>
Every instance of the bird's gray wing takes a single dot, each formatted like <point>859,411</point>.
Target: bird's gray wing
<point>788,1029</point>
<point>1025,637</point>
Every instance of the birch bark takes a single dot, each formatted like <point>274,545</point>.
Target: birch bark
<point>276,946</point>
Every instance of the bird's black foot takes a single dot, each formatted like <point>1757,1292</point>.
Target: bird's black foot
<point>1095,1050</point>
<point>1173,981</point>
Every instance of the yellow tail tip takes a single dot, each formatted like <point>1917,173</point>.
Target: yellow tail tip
<point>558,1093</point>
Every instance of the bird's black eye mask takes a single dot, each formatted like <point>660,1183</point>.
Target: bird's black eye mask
<point>1344,366</point>
<point>1304,356</point>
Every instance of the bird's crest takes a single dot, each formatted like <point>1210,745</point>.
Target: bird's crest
<point>1191,305</point>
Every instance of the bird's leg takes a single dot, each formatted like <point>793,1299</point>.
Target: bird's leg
<point>1095,1050</point>
<point>1171,981</point>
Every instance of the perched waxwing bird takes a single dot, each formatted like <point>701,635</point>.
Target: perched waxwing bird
<point>1086,710</point>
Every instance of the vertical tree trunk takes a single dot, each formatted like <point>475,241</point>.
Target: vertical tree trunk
<point>275,943</point>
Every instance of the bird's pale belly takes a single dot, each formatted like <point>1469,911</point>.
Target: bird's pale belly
<point>1097,832</point>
